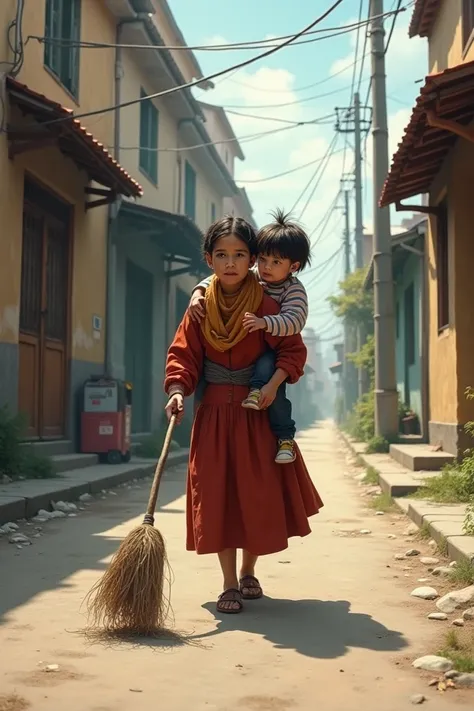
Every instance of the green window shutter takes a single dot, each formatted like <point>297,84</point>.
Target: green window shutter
<point>63,22</point>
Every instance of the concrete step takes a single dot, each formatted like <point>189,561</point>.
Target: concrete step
<point>420,457</point>
<point>67,462</point>
<point>51,448</point>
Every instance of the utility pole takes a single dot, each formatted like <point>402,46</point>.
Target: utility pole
<point>386,396</point>
<point>349,373</point>
<point>347,236</point>
<point>359,226</point>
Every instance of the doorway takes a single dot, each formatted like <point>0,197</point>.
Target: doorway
<point>138,343</point>
<point>44,312</point>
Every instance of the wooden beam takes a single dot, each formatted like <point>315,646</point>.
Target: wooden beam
<point>425,209</point>
<point>16,148</point>
<point>104,192</point>
<point>458,129</point>
<point>111,196</point>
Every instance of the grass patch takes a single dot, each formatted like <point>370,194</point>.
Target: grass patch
<point>378,445</point>
<point>459,648</point>
<point>382,502</point>
<point>424,534</point>
<point>358,461</point>
<point>371,476</point>
<point>449,487</point>
<point>463,573</point>
<point>443,546</point>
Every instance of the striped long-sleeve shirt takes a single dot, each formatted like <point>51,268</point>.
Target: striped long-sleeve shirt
<point>293,300</point>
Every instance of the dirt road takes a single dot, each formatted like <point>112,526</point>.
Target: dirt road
<point>336,631</point>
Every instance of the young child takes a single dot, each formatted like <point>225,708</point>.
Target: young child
<point>283,250</point>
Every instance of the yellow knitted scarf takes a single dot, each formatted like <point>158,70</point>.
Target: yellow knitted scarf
<point>222,325</point>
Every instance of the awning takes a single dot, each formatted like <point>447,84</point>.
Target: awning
<point>403,244</point>
<point>72,139</point>
<point>177,235</point>
<point>424,15</point>
<point>420,155</point>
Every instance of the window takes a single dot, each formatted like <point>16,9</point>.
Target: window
<point>442,265</point>
<point>409,314</point>
<point>63,22</point>
<point>213,212</point>
<point>190,191</point>
<point>467,21</point>
<point>148,159</point>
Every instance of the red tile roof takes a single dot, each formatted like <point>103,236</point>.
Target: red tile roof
<point>73,139</point>
<point>423,148</point>
<point>424,15</point>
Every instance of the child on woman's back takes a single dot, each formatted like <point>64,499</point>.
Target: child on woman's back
<point>283,251</point>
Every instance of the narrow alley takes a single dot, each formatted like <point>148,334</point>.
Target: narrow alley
<point>337,628</point>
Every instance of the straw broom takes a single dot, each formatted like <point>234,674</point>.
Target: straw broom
<point>129,597</point>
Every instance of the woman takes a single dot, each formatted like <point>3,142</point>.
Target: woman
<point>237,496</point>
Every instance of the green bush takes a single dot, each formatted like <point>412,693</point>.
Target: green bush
<point>16,458</point>
<point>378,445</point>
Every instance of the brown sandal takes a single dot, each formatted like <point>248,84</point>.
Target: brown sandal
<point>251,583</point>
<point>230,595</point>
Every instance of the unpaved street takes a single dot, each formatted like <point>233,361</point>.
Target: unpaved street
<point>336,631</point>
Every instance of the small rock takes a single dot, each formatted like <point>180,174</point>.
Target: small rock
<point>432,544</point>
<point>452,674</point>
<point>20,539</point>
<point>380,513</point>
<point>72,515</point>
<point>60,506</point>
<point>465,681</point>
<point>423,580</point>
<point>459,622</point>
<point>440,616</point>
<point>44,514</point>
<point>412,530</point>
<point>51,668</point>
<point>417,699</point>
<point>442,571</point>
<point>425,593</point>
<point>365,532</point>
<point>113,493</point>
<point>456,599</point>
<point>433,682</point>
<point>373,491</point>
<point>433,663</point>
<point>6,479</point>
<point>85,497</point>
<point>426,560</point>
<point>391,536</point>
<point>412,552</point>
<point>468,614</point>
<point>400,556</point>
<point>13,526</point>
<point>453,564</point>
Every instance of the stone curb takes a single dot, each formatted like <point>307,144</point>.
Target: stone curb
<point>445,521</point>
<point>24,499</point>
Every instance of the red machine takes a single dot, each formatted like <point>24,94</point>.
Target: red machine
<point>106,419</point>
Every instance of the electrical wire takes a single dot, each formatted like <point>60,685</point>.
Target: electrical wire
<point>288,103</point>
<point>318,181</point>
<point>361,7</point>
<point>394,21</point>
<point>293,89</point>
<point>316,172</point>
<point>316,278</point>
<point>238,46</point>
<point>364,52</point>
<point>195,82</point>
<point>280,120</point>
<point>325,218</point>
<point>286,172</point>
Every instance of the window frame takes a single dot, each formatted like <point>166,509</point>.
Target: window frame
<point>149,128</point>
<point>442,266</point>
<point>63,62</point>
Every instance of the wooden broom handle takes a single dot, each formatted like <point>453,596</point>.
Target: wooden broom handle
<point>150,512</point>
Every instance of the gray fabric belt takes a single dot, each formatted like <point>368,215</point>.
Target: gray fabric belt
<point>220,375</point>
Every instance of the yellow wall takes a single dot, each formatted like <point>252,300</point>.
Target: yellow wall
<point>53,170</point>
<point>445,41</point>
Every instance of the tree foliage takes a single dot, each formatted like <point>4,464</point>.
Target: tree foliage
<point>354,303</point>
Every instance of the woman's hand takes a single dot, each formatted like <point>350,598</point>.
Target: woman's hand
<point>267,395</point>
<point>197,309</point>
<point>253,323</point>
<point>175,406</point>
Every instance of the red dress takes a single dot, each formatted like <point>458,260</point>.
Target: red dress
<point>237,496</point>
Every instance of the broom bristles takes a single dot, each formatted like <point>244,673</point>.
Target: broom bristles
<point>130,595</point>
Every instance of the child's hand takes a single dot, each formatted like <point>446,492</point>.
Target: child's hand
<point>253,323</point>
<point>175,406</point>
<point>267,395</point>
<point>197,308</point>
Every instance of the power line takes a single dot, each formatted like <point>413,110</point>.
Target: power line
<point>394,21</point>
<point>364,53</point>
<point>280,120</point>
<point>287,103</point>
<point>315,174</point>
<point>195,82</point>
<point>361,7</point>
<point>239,46</point>
<point>318,181</point>
<point>286,172</point>
<point>317,277</point>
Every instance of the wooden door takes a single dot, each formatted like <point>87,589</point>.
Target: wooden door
<point>138,343</point>
<point>43,321</point>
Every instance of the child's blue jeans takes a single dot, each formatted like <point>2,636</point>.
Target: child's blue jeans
<point>279,412</point>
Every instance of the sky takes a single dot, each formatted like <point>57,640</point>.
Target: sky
<point>303,83</point>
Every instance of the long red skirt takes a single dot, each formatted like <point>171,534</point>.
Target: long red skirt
<point>237,496</point>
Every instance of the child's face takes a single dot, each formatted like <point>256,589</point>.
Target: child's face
<point>230,260</point>
<point>273,269</point>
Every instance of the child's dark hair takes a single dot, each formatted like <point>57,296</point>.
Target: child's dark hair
<point>286,239</point>
<point>230,225</point>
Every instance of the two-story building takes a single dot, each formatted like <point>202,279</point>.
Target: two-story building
<point>435,159</point>
<point>58,177</point>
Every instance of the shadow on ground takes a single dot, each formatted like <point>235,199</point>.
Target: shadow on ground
<point>314,628</point>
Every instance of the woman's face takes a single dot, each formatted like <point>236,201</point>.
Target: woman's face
<point>230,260</point>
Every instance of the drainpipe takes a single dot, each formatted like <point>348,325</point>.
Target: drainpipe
<point>425,377</point>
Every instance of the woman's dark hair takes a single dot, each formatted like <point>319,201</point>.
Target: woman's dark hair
<point>285,238</point>
<point>230,225</point>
